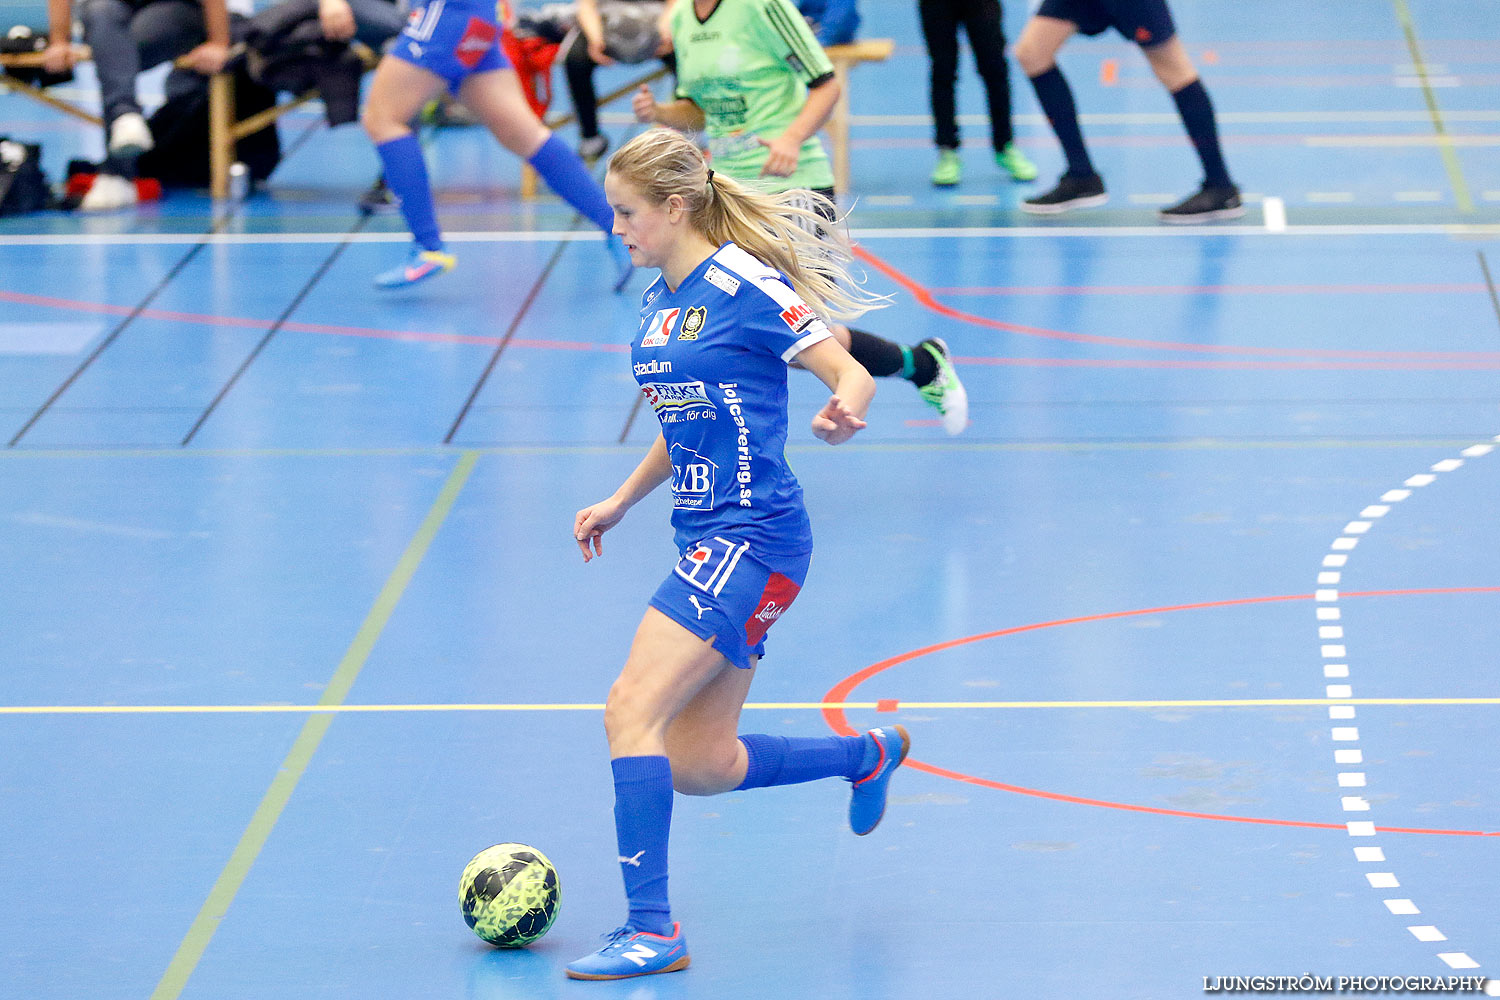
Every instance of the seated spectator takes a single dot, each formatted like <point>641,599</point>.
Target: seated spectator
<point>616,31</point>
<point>128,36</point>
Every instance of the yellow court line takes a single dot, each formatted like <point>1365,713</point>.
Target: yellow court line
<point>766,705</point>
<point>1445,140</point>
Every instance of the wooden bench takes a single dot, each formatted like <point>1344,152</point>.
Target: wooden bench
<point>223,130</point>
<point>844,58</point>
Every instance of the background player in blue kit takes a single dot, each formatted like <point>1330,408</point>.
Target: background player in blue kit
<point>1148,23</point>
<point>456,44</point>
<point>741,291</point>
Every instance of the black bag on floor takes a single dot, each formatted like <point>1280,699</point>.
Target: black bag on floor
<point>180,128</point>
<point>22,40</point>
<point>23,186</point>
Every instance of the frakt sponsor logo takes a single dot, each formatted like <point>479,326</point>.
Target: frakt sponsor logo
<point>653,367</point>
<point>659,327</point>
<point>675,402</point>
<point>797,316</point>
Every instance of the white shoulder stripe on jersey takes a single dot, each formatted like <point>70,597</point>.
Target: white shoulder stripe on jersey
<point>817,331</point>
<point>767,279</point>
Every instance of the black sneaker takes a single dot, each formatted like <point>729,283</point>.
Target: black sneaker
<point>593,147</point>
<point>1210,204</point>
<point>1071,192</point>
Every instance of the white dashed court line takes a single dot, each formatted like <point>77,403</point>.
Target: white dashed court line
<point>1326,599</point>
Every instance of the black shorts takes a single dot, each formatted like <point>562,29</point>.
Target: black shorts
<point>1145,22</point>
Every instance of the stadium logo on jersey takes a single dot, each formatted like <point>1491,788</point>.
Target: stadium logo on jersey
<point>797,316</point>
<point>675,402</point>
<point>693,322</point>
<point>727,283</point>
<point>478,38</point>
<point>653,368</point>
<point>779,594</point>
<point>692,478</point>
<point>659,327</point>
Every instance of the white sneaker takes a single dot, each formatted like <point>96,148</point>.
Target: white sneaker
<point>107,193</point>
<point>946,392</point>
<point>130,136</point>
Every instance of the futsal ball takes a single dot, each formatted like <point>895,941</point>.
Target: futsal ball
<point>509,894</point>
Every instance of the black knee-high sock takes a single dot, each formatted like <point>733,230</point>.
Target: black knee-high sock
<point>1056,98</point>
<point>884,358</point>
<point>1197,113</point>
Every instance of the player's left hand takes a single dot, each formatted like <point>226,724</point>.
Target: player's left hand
<point>337,20</point>
<point>835,422</point>
<point>782,161</point>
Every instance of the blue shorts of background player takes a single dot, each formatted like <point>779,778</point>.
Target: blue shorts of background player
<point>1145,22</point>
<point>721,590</point>
<point>452,40</point>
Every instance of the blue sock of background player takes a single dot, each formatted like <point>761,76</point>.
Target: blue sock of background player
<point>454,46</point>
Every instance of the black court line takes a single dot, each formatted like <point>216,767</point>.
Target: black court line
<point>630,420</point>
<point>1484,265</point>
<point>280,320</point>
<point>120,328</point>
<point>510,332</point>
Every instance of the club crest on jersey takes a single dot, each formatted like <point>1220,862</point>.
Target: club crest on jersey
<point>693,322</point>
<point>797,316</point>
<point>659,327</point>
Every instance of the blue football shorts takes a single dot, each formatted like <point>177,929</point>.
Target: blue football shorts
<point>1145,22</point>
<point>723,591</point>
<point>453,40</point>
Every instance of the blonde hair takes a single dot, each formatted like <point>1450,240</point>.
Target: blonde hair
<point>790,231</point>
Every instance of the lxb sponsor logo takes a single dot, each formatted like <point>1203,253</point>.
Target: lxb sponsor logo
<point>692,478</point>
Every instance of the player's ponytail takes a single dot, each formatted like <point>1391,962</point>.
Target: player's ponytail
<point>789,231</point>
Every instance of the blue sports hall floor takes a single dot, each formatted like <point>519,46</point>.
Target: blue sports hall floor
<point>1194,628</point>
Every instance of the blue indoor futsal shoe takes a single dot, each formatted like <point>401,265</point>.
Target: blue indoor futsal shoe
<point>867,804</point>
<point>621,257</point>
<point>628,952</point>
<point>421,265</point>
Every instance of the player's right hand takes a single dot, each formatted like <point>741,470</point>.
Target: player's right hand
<point>591,524</point>
<point>643,103</point>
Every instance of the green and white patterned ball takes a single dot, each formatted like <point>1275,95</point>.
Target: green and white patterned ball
<point>509,894</point>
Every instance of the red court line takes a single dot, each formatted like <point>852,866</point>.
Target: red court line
<point>841,692</point>
<point>1379,361</point>
<point>240,322</point>
<point>924,295</point>
<point>1475,288</point>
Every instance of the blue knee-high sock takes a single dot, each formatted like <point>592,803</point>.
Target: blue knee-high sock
<point>565,173</point>
<point>406,176</point>
<point>1056,99</point>
<point>643,820</point>
<point>1197,112</point>
<point>790,760</point>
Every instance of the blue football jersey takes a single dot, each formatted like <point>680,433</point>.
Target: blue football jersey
<point>712,360</point>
